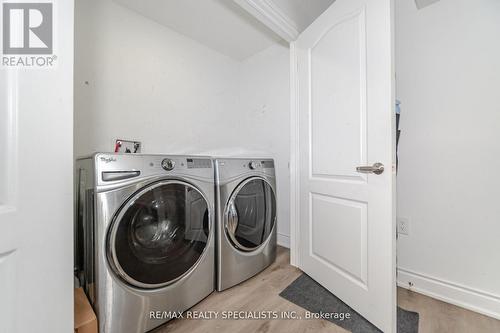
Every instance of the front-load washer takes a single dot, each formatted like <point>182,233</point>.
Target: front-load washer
<point>145,230</point>
<point>246,218</point>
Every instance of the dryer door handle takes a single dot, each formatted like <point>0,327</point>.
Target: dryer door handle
<point>232,219</point>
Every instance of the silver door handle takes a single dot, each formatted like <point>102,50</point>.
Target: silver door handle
<point>376,168</point>
<point>232,219</point>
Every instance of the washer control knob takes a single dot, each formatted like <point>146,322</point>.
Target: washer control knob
<point>168,164</point>
<point>254,165</point>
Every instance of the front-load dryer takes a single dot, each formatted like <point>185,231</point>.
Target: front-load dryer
<point>246,218</point>
<point>145,230</point>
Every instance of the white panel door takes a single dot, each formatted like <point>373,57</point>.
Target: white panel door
<point>347,236</point>
<point>36,185</point>
<point>9,228</point>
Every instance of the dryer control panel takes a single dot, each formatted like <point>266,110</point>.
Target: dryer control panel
<point>229,168</point>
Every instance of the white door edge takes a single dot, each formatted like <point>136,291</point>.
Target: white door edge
<point>294,160</point>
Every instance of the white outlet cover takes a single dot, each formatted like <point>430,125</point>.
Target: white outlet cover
<point>403,225</point>
<point>424,3</point>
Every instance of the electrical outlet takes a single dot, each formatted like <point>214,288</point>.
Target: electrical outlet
<point>424,3</point>
<point>127,146</point>
<point>403,225</point>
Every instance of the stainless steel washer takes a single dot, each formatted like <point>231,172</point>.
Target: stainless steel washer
<point>145,231</point>
<point>246,218</point>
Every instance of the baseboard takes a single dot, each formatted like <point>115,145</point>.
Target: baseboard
<point>284,240</point>
<point>469,298</point>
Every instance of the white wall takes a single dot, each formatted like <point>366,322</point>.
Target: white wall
<point>149,83</point>
<point>265,102</point>
<point>448,79</point>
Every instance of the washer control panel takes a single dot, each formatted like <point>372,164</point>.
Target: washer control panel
<point>254,165</point>
<point>168,164</point>
<point>116,169</point>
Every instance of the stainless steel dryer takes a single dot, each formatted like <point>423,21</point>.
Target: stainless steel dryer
<point>146,237</point>
<point>246,218</point>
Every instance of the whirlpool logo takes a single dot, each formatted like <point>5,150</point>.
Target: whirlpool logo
<point>28,34</point>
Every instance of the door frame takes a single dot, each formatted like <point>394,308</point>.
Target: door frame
<point>294,159</point>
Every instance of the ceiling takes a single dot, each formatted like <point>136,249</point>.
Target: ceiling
<point>303,12</point>
<point>222,24</point>
<point>219,24</point>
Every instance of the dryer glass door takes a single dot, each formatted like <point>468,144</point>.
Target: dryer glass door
<point>251,214</point>
<point>160,234</point>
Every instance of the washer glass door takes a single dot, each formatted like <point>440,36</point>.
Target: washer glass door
<point>250,214</point>
<point>160,234</point>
